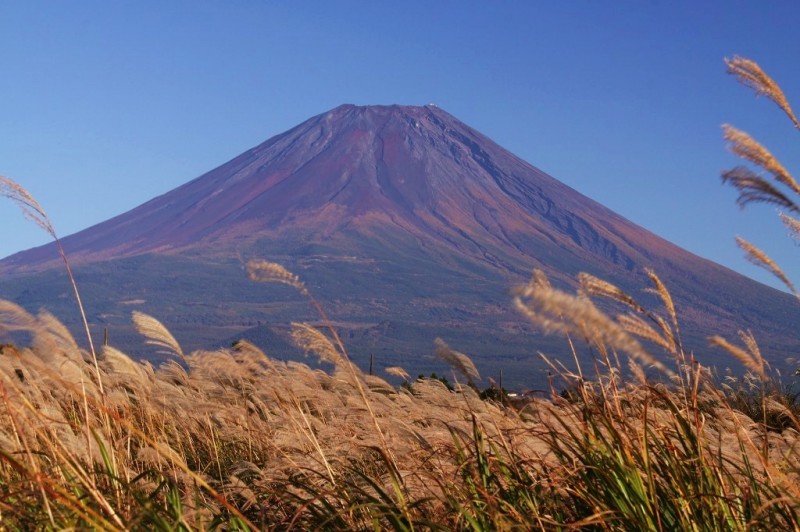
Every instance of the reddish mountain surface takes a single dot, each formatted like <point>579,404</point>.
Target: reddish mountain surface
<point>406,222</point>
<point>414,169</point>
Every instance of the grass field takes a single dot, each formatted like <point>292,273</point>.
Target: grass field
<point>235,440</point>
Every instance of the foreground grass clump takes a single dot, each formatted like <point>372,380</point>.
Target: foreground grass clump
<point>234,439</point>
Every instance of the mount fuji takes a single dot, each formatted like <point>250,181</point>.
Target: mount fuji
<point>407,225</point>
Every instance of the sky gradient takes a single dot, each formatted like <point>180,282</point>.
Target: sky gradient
<point>106,104</point>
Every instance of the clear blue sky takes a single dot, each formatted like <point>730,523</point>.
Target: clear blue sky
<point>106,104</point>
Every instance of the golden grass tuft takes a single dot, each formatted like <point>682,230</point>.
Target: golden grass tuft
<point>663,293</point>
<point>748,358</point>
<point>310,339</point>
<point>397,371</point>
<point>457,360</point>
<point>33,211</point>
<point>263,271</point>
<point>792,224</point>
<point>594,286</point>
<point>750,74</point>
<point>636,326</point>
<point>156,334</point>
<point>557,311</point>
<point>744,146</point>
<point>30,207</point>
<point>759,258</point>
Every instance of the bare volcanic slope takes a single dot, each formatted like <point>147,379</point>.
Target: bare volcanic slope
<point>405,222</point>
<point>416,169</point>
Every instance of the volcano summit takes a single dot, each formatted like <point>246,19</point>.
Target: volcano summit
<point>406,224</point>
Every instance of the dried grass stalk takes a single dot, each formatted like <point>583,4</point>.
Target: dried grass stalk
<point>397,371</point>
<point>759,258</point>
<point>638,327</point>
<point>15,318</point>
<point>749,360</point>
<point>750,341</point>
<point>599,287</point>
<point>746,147</point>
<point>755,189</point>
<point>751,75</point>
<point>34,212</point>
<point>156,334</point>
<point>30,207</point>
<point>58,331</point>
<point>458,361</point>
<point>792,224</point>
<point>663,293</point>
<point>262,271</point>
<point>115,361</point>
<point>557,311</point>
<point>310,339</point>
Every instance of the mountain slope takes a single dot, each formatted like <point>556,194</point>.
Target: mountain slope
<point>401,219</point>
<point>414,168</point>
